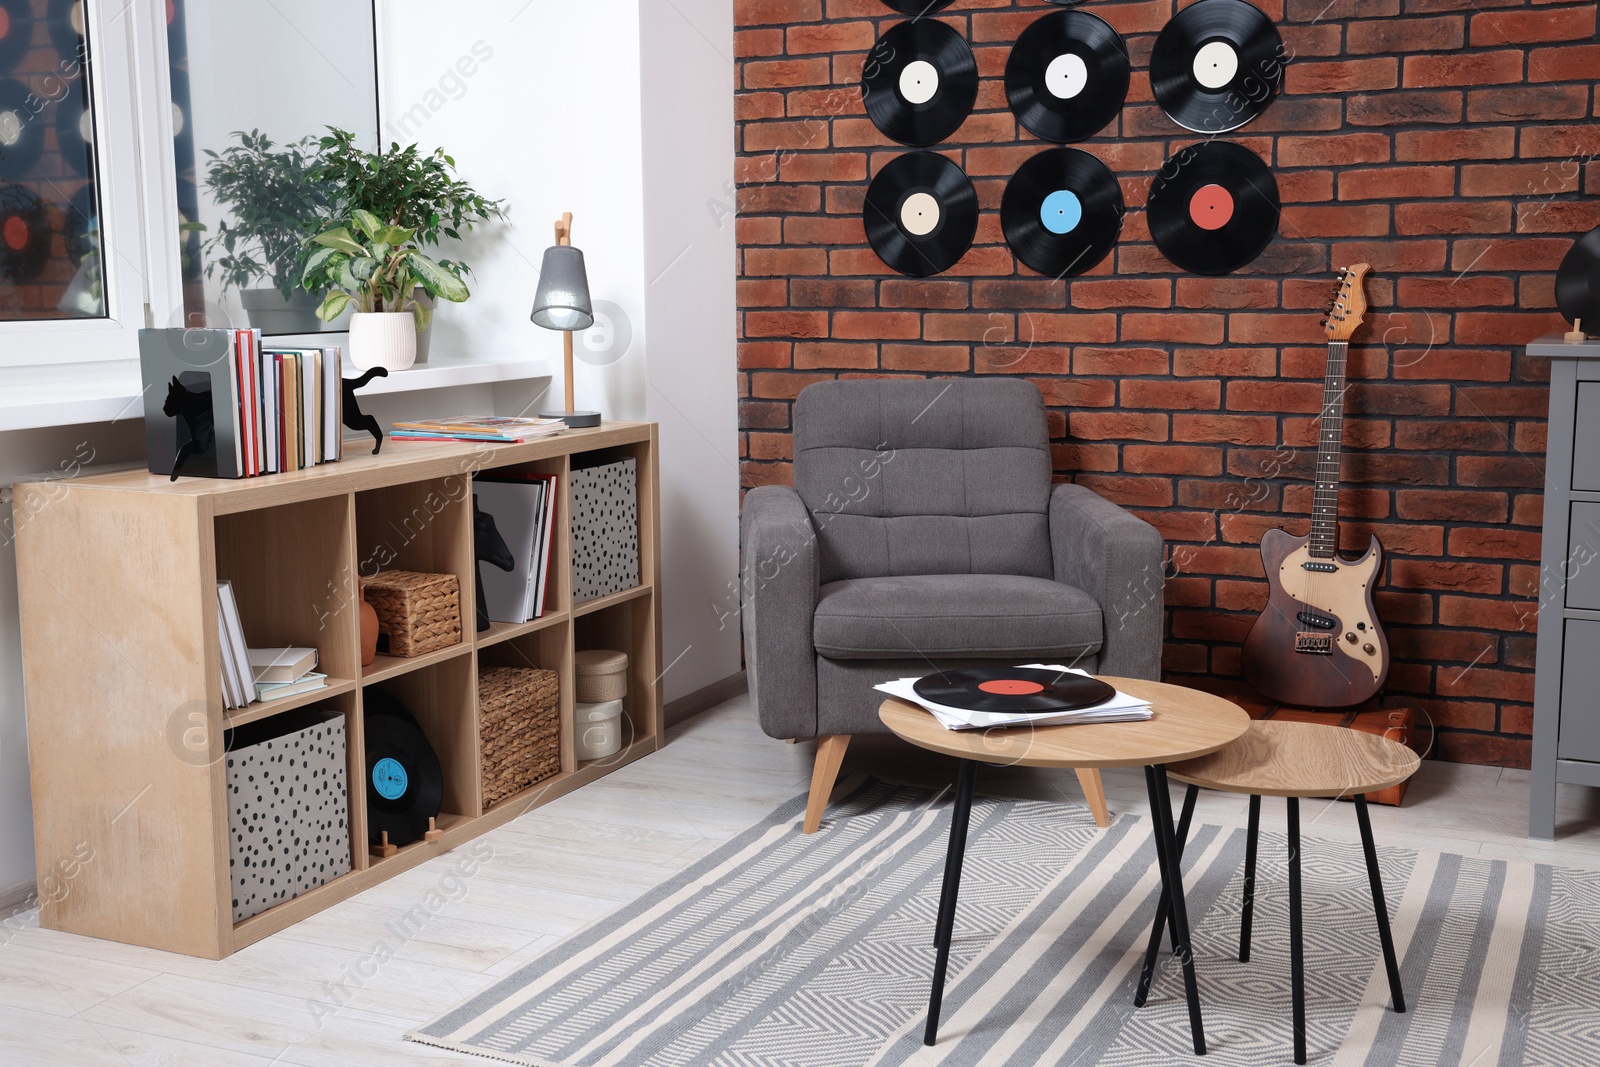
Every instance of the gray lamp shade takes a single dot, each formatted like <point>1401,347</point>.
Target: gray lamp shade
<point>562,302</point>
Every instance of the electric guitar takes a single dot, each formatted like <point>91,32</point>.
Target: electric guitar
<point>1318,643</point>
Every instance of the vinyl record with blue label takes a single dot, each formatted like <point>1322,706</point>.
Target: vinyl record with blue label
<point>1013,689</point>
<point>24,235</point>
<point>1213,208</point>
<point>919,82</point>
<point>1067,76</point>
<point>1062,212</point>
<point>1217,65</point>
<point>405,784</point>
<point>16,32</point>
<point>921,214</point>
<point>21,129</point>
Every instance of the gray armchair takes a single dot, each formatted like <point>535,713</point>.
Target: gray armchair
<point>923,533</point>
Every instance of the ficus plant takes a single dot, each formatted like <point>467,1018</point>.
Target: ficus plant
<point>371,265</point>
<point>274,200</point>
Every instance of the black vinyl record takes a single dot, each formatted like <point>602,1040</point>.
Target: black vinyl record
<point>75,130</point>
<point>405,784</point>
<point>66,22</point>
<point>917,7</point>
<point>919,82</point>
<point>21,132</point>
<point>1213,208</point>
<point>81,227</point>
<point>1062,212</point>
<point>16,32</point>
<point>24,235</point>
<point>921,214</point>
<point>1216,65</point>
<point>1014,689</point>
<point>1578,282</point>
<point>1067,76</point>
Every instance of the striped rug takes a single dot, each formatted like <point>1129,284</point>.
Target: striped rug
<point>783,950</point>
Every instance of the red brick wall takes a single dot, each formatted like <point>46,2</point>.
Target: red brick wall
<point>1446,142</point>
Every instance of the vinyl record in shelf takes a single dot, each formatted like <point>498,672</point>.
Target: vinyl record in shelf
<point>21,132</point>
<point>917,7</point>
<point>919,82</point>
<point>1578,282</point>
<point>24,235</point>
<point>921,214</point>
<point>1213,208</point>
<point>405,783</point>
<point>1216,65</point>
<point>1014,689</point>
<point>1067,76</point>
<point>1062,212</point>
<point>16,32</point>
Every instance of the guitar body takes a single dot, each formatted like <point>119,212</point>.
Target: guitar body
<point>1318,643</point>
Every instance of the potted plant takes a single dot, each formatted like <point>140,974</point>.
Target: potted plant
<point>408,188</point>
<point>377,269</point>
<point>275,202</point>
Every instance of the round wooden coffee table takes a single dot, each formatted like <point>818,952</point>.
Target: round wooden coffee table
<point>1185,724</point>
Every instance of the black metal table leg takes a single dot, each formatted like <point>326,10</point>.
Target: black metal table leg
<point>1395,991</point>
<point>960,815</point>
<point>1167,856</point>
<point>1247,913</point>
<point>1147,973</point>
<point>1297,962</point>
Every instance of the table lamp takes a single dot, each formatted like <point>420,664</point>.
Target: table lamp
<point>562,303</point>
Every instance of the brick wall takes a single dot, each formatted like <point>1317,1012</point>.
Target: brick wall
<point>1447,142</point>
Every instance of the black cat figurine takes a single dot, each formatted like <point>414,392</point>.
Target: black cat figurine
<point>354,419</point>
<point>193,408</point>
<point>489,547</point>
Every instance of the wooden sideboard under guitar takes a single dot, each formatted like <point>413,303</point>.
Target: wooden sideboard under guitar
<point>1318,643</point>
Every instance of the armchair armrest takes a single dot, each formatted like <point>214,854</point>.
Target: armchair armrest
<point>1120,561</point>
<point>778,591</point>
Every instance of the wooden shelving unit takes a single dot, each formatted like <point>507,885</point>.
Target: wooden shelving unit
<point>122,668</point>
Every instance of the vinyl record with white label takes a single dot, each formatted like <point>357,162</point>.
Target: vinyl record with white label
<point>1213,207</point>
<point>1067,76</point>
<point>1062,212</point>
<point>919,82</point>
<point>921,214</point>
<point>75,131</point>
<point>66,21</point>
<point>21,130</point>
<point>1217,65</point>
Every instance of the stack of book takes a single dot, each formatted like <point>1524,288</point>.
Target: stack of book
<point>497,429</point>
<point>524,510</point>
<point>1120,708</point>
<point>251,675</point>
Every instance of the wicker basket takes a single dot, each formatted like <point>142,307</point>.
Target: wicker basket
<point>602,675</point>
<point>519,729</point>
<point>419,613</point>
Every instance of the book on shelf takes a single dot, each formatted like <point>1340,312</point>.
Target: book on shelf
<point>279,665</point>
<point>500,429</point>
<point>523,507</point>
<point>266,692</point>
<point>235,654</point>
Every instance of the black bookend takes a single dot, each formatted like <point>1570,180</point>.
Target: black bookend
<point>354,419</point>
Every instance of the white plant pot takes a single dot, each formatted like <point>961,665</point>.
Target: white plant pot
<point>385,339</point>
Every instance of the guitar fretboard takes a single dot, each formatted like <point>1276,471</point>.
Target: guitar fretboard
<point>1330,442</point>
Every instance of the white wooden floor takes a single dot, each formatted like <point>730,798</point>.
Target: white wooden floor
<point>339,989</point>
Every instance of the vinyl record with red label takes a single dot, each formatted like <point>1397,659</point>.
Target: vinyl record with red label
<point>24,235</point>
<point>921,214</point>
<point>16,32</point>
<point>1062,212</point>
<point>1013,689</point>
<point>1217,65</point>
<point>919,82</point>
<point>21,129</point>
<point>1067,76</point>
<point>1213,207</point>
<point>405,784</point>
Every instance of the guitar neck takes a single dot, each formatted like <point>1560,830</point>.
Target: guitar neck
<point>1330,444</point>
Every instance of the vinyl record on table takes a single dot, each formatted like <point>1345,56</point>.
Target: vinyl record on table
<point>405,784</point>
<point>75,130</point>
<point>21,132</point>
<point>917,7</point>
<point>1213,207</point>
<point>1578,282</point>
<point>1013,689</point>
<point>1062,212</point>
<point>921,214</point>
<point>16,32</point>
<point>24,235</point>
<point>1067,76</point>
<point>1217,65</point>
<point>919,82</point>
<point>66,21</point>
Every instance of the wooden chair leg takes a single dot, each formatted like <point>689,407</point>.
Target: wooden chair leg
<point>830,754</point>
<point>1094,791</point>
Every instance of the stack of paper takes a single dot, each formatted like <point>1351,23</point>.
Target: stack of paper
<point>1120,708</point>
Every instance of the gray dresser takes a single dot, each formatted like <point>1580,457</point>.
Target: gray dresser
<point>1566,696</point>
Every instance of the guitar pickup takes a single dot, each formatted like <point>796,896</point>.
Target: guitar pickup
<point>1321,568</point>
<point>1318,643</point>
<point>1320,622</point>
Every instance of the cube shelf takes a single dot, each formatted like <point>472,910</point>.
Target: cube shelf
<point>122,665</point>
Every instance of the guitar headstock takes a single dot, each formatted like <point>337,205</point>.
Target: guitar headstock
<point>1349,305</point>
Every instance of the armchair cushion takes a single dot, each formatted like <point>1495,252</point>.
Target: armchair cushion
<point>943,615</point>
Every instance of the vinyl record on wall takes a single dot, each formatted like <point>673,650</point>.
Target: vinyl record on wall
<point>21,131</point>
<point>66,22</point>
<point>921,214</point>
<point>1578,282</point>
<point>16,32</point>
<point>75,131</point>
<point>1067,76</point>
<point>1216,65</point>
<point>919,82</point>
<point>1213,207</point>
<point>81,222</point>
<point>1062,212</point>
<point>182,128</point>
<point>24,235</point>
<point>917,7</point>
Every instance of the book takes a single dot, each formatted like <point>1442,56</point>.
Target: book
<point>266,692</point>
<point>508,595</point>
<point>279,665</point>
<point>230,678</point>
<point>333,403</point>
<point>546,542</point>
<point>502,428</point>
<point>237,654</point>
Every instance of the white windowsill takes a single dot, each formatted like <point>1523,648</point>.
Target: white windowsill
<point>111,392</point>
